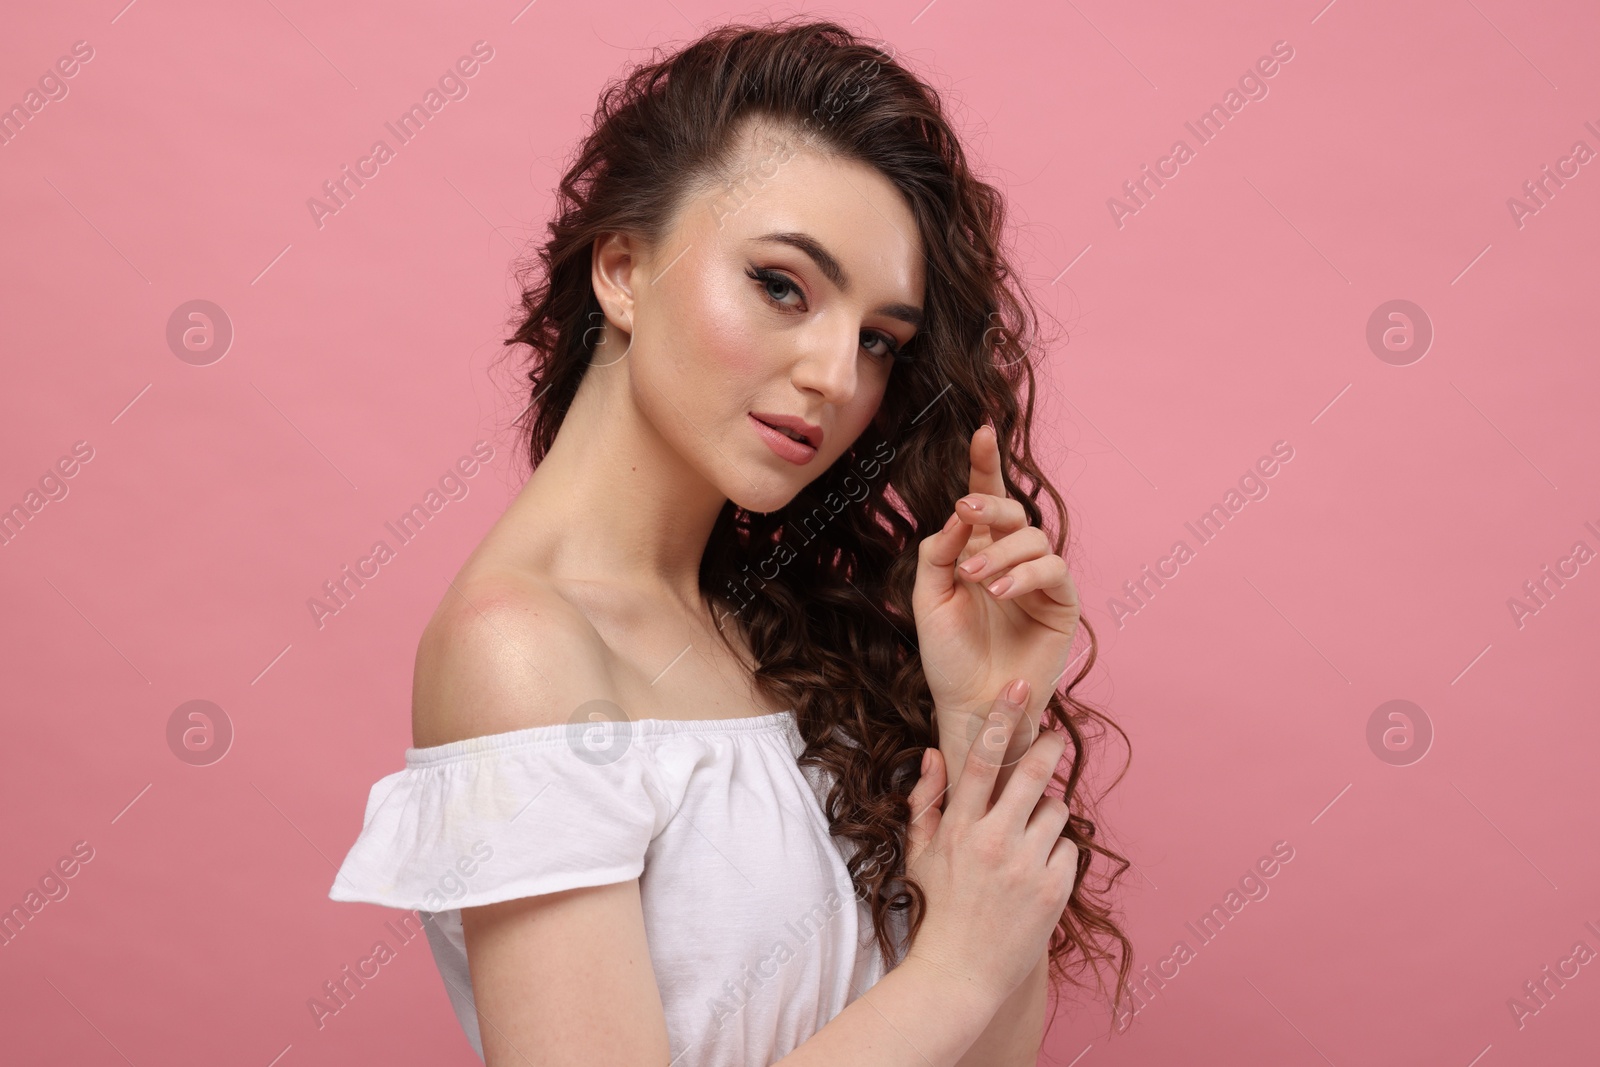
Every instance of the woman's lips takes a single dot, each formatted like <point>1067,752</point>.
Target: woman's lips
<point>797,452</point>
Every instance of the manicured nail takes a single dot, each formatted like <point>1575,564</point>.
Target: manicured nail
<point>1017,692</point>
<point>973,502</point>
<point>953,520</point>
<point>927,758</point>
<point>1002,585</point>
<point>974,565</point>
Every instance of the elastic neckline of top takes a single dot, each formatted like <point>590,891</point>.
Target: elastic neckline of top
<point>566,733</point>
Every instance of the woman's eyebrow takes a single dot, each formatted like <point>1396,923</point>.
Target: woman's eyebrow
<point>833,270</point>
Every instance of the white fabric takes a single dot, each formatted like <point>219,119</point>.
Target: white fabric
<point>755,932</point>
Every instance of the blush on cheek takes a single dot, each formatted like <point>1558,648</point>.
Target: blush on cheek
<point>725,327</point>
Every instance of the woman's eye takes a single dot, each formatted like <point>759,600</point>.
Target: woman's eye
<point>775,286</point>
<point>889,348</point>
<point>768,281</point>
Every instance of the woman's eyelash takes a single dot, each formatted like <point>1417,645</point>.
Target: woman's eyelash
<point>764,278</point>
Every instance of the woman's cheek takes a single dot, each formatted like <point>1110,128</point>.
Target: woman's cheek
<point>730,334</point>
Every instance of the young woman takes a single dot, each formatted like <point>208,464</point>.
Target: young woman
<point>713,762</point>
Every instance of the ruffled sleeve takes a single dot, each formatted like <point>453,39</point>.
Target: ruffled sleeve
<point>509,815</point>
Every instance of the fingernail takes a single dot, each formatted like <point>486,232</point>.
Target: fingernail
<point>1017,692</point>
<point>952,521</point>
<point>927,758</point>
<point>973,502</point>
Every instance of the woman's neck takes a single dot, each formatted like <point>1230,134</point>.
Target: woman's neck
<point>613,502</point>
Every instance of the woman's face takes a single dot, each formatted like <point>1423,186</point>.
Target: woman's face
<point>785,295</point>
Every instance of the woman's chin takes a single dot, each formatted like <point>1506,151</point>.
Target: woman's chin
<point>765,496</point>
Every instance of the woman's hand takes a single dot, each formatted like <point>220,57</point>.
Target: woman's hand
<point>995,869</point>
<point>1013,616</point>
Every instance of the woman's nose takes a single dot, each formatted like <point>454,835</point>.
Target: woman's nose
<point>828,365</point>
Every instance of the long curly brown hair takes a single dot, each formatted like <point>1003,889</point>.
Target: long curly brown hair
<point>822,587</point>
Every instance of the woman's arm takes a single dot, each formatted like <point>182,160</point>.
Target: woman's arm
<point>915,1016</point>
<point>564,979</point>
<point>1013,1036</point>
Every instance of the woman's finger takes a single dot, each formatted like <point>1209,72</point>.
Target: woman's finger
<point>983,472</point>
<point>1000,513</point>
<point>983,468</point>
<point>1028,782</point>
<point>1027,543</point>
<point>1047,574</point>
<point>969,798</point>
<point>936,561</point>
<point>925,802</point>
<point>1049,819</point>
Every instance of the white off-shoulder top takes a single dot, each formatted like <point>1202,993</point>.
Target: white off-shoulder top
<point>756,934</point>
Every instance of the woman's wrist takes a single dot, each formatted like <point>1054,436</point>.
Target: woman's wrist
<point>959,989</point>
<point>961,728</point>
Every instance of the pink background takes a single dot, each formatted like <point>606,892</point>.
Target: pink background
<point>1229,313</point>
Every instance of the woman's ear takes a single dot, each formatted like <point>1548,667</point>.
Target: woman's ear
<point>614,267</point>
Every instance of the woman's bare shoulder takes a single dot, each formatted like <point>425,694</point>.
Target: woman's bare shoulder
<point>504,651</point>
